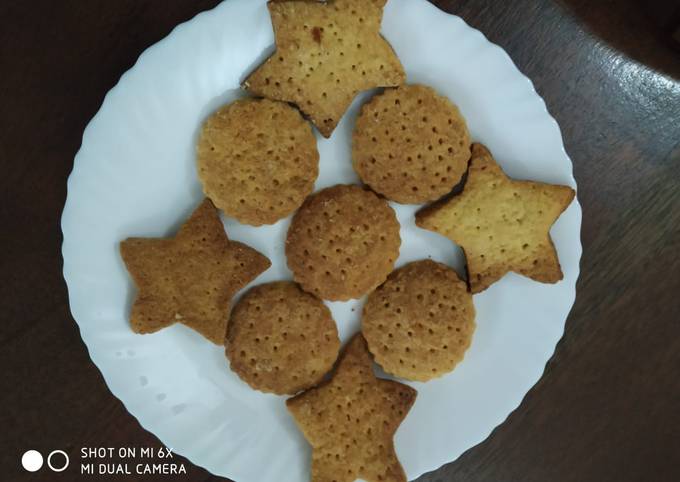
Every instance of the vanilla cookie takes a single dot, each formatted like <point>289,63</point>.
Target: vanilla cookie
<point>190,278</point>
<point>326,53</point>
<point>257,160</point>
<point>350,421</point>
<point>343,242</point>
<point>411,144</point>
<point>281,340</point>
<point>502,225</point>
<point>419,323</point>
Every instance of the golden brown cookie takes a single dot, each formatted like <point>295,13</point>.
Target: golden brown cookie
<point>350,421</point>
<point>342,243</point>
<point>419,323</point>
<point>411,144</point>
<point>280,339</point>
<point>502,225</point>
<point>326,53</point>
<point>190,278</point>
<point>257,160</point>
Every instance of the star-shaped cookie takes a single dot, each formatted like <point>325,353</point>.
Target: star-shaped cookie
<point>190,278</point>
<point>502,225</point>
<point>326,53</point>
<point>350,421</point>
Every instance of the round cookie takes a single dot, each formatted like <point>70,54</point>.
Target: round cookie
<point>257,160</point>
<point>280,339</point>
<point>420,322</point>
<point>343,242</point>
<point>411,144</point>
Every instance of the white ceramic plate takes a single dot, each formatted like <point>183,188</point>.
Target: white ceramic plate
<point>135,176</point>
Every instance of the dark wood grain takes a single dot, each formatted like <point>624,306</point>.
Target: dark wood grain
<point>608,406</point>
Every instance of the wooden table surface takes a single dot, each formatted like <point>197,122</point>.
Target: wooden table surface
<point>608,406</point>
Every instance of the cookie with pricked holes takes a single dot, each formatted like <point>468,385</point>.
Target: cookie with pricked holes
<point>411,144</point>
<point>257,160</point>
<point>420,322</point>
<point>501,224</point>
<point>190,278</point>
<point>350,421</point>
<point>281,339</point>
<point>326,53</point>
<point>343,242</point>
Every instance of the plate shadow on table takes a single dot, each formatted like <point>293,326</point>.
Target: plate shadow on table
<point>641,29</point>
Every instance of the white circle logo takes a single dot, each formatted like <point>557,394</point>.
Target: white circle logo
<point>49,460</point>
<point>32,460</point>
